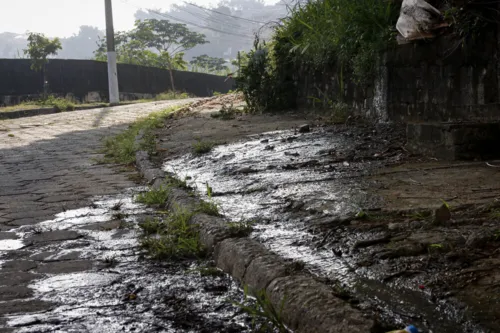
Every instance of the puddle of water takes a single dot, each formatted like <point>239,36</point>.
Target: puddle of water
<point>11,244</point>
<point>59,283</point>
<point>167,298</point>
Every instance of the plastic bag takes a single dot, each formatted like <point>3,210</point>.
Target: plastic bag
<point>418,19</point>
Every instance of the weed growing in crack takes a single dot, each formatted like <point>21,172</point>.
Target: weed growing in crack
<point>175,237</point>
<point>179,183</point>
<point>295,266</point>
<point>111,261</point>
<point>117,205</point>
<point>495,214</point>
<point>241,228</point>
<point>151,226</point>
<point>202,147</point>
<point>265,317</point>
<point>209,207</point>
<point>210,271</point>
<point>154,196</point>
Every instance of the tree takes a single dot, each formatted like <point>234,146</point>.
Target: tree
<point>210,64</point>
<point>39,49</point>
<point>170,40</point>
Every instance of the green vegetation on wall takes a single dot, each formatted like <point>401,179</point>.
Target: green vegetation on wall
<point>317,36</point>
<point>343,38</point>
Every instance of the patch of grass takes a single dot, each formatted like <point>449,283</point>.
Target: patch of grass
<point>21,106</point>
<point>210,271</point>
<point>154,196</point>
<point>202,147</point>
<point>169,95</point>
<point>240,229</point>
<point>175,237</point>
<point>295,266</point>
<point>495,214</point>
<point>152,226</point>
<point>265,317</point>
<point>121,148</point>
<point>179,183</point>
<point>10,135</point>
<point>339,112</point>
<point>61,104</point>
<point>226,112</point>
<point>209,207</point>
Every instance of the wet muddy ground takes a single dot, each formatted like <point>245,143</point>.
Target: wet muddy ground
<point>84,272</point>
<point>302,191</point>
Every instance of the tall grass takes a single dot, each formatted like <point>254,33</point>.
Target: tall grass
<point>347,33</point>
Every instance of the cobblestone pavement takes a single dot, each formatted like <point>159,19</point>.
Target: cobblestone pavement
<point>48,166</point>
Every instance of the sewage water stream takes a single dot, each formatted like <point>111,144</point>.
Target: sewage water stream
<point>85,272</point>
<point>285,182</point>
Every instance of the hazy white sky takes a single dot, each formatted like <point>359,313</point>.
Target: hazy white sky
<point>62,18</point>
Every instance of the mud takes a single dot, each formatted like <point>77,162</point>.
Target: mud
<point>83,271</point>
<point>302,191</point>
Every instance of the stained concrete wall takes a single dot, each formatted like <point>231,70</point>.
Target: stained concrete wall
<point>87,79</point>
<point>429,81</point>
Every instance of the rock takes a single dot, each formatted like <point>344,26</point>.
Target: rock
<point>268,147</point>
<point>479,239</point>
<point>265,141</point>
<point>442,215</point>
<point>246,170</point>
<point>304,128</point>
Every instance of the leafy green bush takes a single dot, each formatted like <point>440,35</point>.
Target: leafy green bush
<point>317,36</point>
<point>58,103</point>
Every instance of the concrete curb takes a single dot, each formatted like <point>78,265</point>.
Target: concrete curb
<point>308,305</point>
<point>44,111</point>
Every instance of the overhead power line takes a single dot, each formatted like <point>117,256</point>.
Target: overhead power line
<point>236,17</point>
<point>207,18</point>
<point>168,16</point>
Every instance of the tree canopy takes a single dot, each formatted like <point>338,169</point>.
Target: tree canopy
<point>40,48</point>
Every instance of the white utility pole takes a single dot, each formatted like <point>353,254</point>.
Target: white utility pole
<point>114,95</point>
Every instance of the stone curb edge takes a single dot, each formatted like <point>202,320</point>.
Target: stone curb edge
<point>309,306</point>
<point>44,111</point>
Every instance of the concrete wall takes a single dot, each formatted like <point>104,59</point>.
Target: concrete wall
<point>87,79</point>
<point>438,81</point>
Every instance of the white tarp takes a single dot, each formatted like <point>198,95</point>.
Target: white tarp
<point>418,19</point>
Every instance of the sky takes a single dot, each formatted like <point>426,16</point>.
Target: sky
<point>62,18</point>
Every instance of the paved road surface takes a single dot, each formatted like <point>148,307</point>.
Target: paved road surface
<point>55,236</point>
